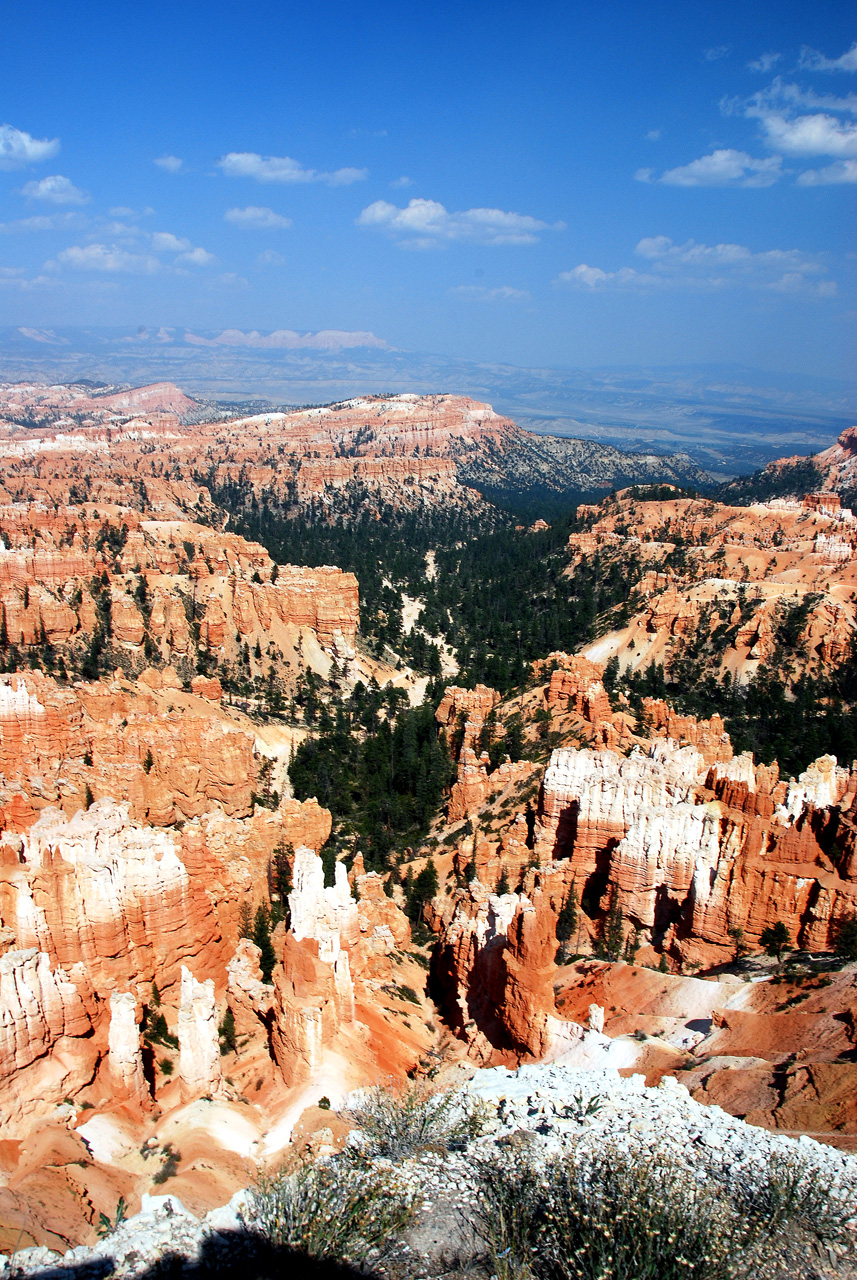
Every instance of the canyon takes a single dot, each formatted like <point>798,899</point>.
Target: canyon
<point>195,963</point>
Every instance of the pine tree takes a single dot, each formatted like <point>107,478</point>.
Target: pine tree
<point>503,883</point>
<point>614,935</point>
<point>228,1042</point>
<point>846,937</point>
<point>280,881</point>
<point>262,938</point>
<point>424,887</point>
<point>567,919</point>
<point>740,946</point>
<point>775,939</point>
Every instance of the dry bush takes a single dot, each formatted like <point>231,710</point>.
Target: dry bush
<point>340,1210</point>
<point>615,1214</point>
<point>398,1120</point>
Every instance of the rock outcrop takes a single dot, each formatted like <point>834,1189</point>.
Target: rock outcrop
<point>694,853</point>
<point>124,1049</point>
<point>47,1050</point>
<point>199,1046</point>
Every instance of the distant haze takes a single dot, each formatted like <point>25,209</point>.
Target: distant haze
<point>729,419</point>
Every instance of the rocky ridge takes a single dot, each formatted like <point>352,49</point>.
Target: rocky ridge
<point>409,451</point>
<point>727,577</point>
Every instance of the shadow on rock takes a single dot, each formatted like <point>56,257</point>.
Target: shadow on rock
<point>232,1255</point>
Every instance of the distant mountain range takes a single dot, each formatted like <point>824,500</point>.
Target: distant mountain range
<point>729,419</point>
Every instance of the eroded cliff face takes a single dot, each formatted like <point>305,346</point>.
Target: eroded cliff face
<point>723,580</point>
<point>140,820</point>
<point>692,852</point>
<point>47,1049</point>
<point>101,907</point>
<point>691,847</point>
<point>170,757</point>
<point>156,590</point>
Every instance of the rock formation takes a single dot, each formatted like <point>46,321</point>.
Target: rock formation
<point>123,1047</point>
<point>685,866</point>
<point>742,571</point>
<point>46,1046</point>
<point>199,1046</point>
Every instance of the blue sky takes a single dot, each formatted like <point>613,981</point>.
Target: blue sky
<point>540,184</point>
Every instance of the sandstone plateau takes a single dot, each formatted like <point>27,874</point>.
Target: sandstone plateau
<point>410,451</point>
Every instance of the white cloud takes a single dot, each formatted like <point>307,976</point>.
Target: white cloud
<point>166,242</point>
<point>722,168</point>
<point>133,252</point>
<point>55,189</point>
<point>18,149</point>
<point>197,257</point>
<point>270,258</point>
<point>15,278</point>
<point>481,293</point>
<point>44,222</point>
<point>764,62</point>
<point>402,182</point>
<point>779,94</point>
<point>789,128</point>
<point>813,135</point>
<point>123,211</point>
<point>107,258</point>
<point>425,224</point>
<point>654,135</point>
<point>256,218</point>
<point>831,175</point>
<point>248,164</point>
<point>172,164</point>
<point>812,60</point>
<point>704,267</point>
<point>289,340</point>
<point>716,53</point>
<point>584,276</point>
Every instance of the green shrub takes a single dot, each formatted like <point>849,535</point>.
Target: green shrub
<point>340,1210</point>
<point>400,1120</point>
<point>170,1167</point>
<point>106,1224</point>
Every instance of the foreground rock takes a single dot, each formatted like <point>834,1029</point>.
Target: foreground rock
<point>546,1110</point>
